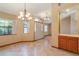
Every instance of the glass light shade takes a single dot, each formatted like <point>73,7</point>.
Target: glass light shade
<point>21,14</point>
<point>19,17</point>
<point>29,18</point>
<point>36,19</point>
<point>28,14</point>
<point>22,18</point>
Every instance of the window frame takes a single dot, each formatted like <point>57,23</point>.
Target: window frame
<point>27,27</point>
<point>6,32</point>
<point>45,27</point>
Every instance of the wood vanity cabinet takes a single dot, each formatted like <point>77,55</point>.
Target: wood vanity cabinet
<point>68,43</point>
<point>72,44</point>
<point>78,46</point>
<point>62,42</point>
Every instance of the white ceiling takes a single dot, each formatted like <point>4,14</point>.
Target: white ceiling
<point>15,8</point>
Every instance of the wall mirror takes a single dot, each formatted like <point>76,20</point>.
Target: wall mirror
<point>68,22</point>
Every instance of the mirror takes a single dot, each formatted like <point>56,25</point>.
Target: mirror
<point>68,22</point>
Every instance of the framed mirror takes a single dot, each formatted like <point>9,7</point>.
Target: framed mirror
<point>68,22</point>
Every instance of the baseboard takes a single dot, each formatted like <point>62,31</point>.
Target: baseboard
<point>14,43</point>
<point>64,49</point>
<point>39,39</point>
<point>47,35</point>
<point>55,47</point>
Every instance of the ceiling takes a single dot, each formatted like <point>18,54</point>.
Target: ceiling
<point>33,8</point>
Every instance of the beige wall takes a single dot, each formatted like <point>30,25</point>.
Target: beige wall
<point>30,35</point>
<point>55,20</point>
<point>19,35</point>
<point>55,25</point>
<point>65,6</point>
<point>77,15</point>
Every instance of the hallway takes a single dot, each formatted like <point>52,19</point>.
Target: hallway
<point>38,48</point>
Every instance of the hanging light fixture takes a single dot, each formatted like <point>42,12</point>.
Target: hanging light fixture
<point>47,18</point>
<point>24,15</point>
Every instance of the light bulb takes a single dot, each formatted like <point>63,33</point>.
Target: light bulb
<point>21,14</point>
<point>22,18</point>
<point>29,18</point>
<point>36,19</point>
<point>28,14</point>
<point>19,17</point>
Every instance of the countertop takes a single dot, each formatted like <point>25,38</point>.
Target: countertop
<point>72,35</point>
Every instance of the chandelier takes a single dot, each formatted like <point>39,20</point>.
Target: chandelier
<point>47,17</point>
<point>24,15</point>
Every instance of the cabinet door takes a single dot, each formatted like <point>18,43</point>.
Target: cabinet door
<point>78,46</point>
<point>72,44</point>
<point>62,42</point>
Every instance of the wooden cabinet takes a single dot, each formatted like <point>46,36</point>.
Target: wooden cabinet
<point>78,46</point>
<point>62,42</point>
<point>68,43</point>
<point>72,44</point>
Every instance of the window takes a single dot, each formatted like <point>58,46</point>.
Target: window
<point>26,26</point>
<point>45,28</point>
<point>6,27</point>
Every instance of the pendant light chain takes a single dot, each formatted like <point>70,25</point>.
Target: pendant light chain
<point>24,11</point>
